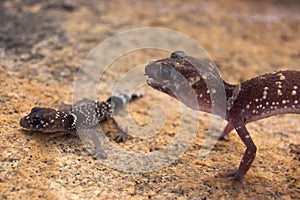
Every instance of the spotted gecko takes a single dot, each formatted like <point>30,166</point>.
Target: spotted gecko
<point>258,98</point>
<point>83,115</point>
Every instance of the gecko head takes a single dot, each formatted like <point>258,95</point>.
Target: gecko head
<point>175,75</point>
<point>44,120</point>
<point>183,77</point>
<point>162,75</point>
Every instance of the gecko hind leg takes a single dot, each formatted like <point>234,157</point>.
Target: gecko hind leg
<point>122,135</point>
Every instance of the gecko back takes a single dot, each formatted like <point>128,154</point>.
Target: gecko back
<point>268,95</point>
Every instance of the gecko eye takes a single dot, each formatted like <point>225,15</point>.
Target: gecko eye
<point>166,72</point>
<point>178,55</point>
<point>36,120</point>
<point>35,109</point>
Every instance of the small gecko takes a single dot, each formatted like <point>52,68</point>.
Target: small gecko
<point>83,115</point>
<point>258,98</point>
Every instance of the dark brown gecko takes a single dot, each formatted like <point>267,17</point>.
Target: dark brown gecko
<point>258,98</point>
<point>83,115</point>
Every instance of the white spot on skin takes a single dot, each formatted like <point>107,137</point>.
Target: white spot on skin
<point>278,83</point>
<point>265,94</point>
<point>74,119</point>
<point>282,77</point>
<point>294,92</point>
<point>284,101</point>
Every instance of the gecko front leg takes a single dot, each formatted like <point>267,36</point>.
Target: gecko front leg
<point>249,154</point>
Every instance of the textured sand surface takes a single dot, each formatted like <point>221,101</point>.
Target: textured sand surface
<point>42,45</point>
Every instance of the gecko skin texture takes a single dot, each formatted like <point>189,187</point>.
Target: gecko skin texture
<point>83,115</point>
<point>258,98</point>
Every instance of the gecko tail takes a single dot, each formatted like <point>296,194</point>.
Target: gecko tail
<point>135,96</point>
<point>119,100</point>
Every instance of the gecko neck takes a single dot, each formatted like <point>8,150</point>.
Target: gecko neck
<point>65,122</point>
<point>205,96</point>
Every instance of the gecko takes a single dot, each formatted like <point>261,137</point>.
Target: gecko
<point>258,98</point>
<point>83,115</point>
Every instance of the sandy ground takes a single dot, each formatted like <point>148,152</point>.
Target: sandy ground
<point>43,44</point>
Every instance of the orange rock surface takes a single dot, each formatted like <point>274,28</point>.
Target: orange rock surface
<point>42,45</point>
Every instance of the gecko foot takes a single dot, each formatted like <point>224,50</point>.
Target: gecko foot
<point>122,137</point>
<point>224,136</point>
<point>99,152</point>
<point>235,175</point>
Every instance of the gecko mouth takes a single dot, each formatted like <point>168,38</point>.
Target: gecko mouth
<point>23,122</point>
<point>156,83</point>
<point>160,85</point>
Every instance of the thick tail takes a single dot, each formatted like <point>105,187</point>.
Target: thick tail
<point>119,100</point>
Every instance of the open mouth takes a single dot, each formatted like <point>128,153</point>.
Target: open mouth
<point>156,83</point>
<point>163,86</point>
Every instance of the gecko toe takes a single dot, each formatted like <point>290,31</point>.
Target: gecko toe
<point>121,137</point>
<point>99,153</point>
<point>224,137</point>
<point>235,175</point>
